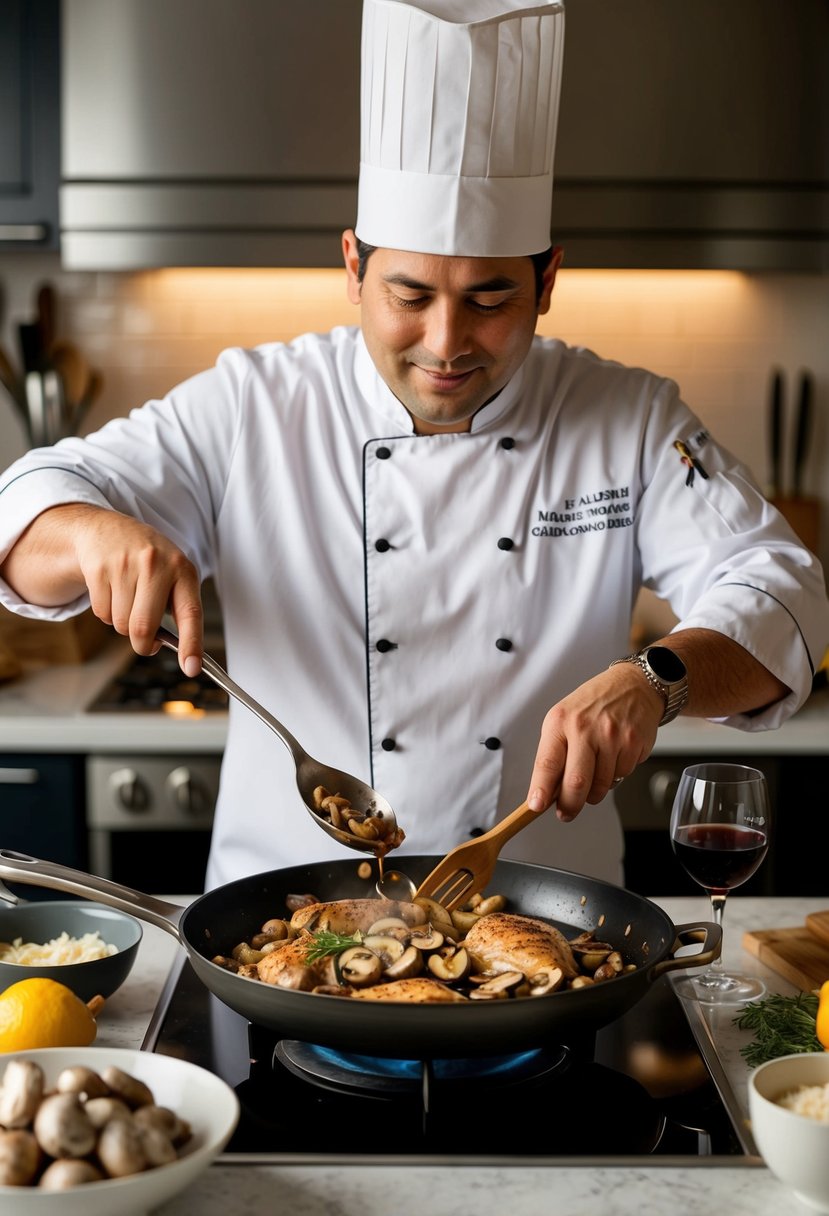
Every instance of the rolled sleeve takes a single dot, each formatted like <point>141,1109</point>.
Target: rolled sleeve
<point>766,627</point>
<point>30,490</point>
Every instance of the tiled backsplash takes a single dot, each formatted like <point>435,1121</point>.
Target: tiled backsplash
<point>717,333</point>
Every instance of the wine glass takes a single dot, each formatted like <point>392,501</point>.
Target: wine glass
<point>720,833</point>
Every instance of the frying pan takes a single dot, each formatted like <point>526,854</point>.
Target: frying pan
<point>217,921</point>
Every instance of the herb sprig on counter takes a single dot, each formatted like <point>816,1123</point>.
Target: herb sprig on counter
<point>324,943</point>
<point>782,1025</point>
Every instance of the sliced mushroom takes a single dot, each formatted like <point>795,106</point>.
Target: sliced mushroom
<point>358,967</point>
<point>243,953</point>
<point>367,830</point>
<point>582,981</point>
<point>494,903</point>
<point>21,1093</point>
<point>463,921</point>
<point>427,938</point>
<point>545,981</point>
<point>591,959</point>
<point>294,902</point>
<point>387,924</point>
<point>501,984</point>
<point>606,972</point>
<point>435,912</point>
<point>586,942</point>
<point>451,968</point>
<point>408,965</point>
<point>387,948</point>
<point>277,932</point>
<point>227,964</point>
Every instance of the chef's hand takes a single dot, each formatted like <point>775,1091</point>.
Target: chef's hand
<point>594,736</point>
<point>133,574</point>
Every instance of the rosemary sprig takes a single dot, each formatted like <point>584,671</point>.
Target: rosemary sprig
<point>323,943</point>
<point>782,1025</point>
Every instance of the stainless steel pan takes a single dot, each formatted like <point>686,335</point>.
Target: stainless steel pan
<point>217,921</point>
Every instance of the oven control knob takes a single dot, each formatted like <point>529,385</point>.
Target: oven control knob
<point>188,794</point>
<point>129,790</point>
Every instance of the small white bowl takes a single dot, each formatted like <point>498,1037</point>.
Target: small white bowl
<point>794,1147</point>
<point>208,1104</point>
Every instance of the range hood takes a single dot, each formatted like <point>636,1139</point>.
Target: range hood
<point>209,133</point>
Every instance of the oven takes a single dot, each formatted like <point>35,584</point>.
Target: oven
<point>149,813</point>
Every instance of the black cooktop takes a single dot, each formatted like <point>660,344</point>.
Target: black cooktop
<point>637,1089</point>
<point>155,683</point>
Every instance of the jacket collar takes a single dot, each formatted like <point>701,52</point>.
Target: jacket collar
<point>383,402</point>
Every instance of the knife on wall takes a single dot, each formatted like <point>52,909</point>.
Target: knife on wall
<point>803,426</point>
<point>775,434</point>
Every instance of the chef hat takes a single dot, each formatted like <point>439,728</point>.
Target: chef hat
<point>458,125</point>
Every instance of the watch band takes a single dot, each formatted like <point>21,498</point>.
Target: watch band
<point>674,692</point>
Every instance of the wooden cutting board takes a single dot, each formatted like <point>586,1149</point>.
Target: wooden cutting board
<point>799,954</point>
<point>818,923</point>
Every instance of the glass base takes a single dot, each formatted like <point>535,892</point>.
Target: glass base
<point>721,988</point>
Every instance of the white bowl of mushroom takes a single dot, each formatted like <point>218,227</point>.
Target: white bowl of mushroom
<point>94,1131</point>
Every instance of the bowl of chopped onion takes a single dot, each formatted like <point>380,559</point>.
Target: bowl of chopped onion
<point>85,946</point>
<point>788,1102</point>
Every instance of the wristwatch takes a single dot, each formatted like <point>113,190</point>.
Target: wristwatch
<point>665,671</point>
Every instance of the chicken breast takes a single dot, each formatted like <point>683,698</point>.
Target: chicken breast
<point>503,941</point>
<point>421,991</point>
<point>346,916</point>
<point>278,963</point>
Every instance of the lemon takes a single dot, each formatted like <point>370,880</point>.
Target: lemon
<point>43,1013</point>
<point>822,1020</point>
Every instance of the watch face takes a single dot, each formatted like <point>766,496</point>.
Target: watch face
<point>667,665</point>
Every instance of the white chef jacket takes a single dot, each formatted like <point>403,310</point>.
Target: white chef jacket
<point>411,606</point>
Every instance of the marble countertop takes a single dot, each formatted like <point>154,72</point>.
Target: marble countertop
<point>46,711</point>
<point>743,1188</point>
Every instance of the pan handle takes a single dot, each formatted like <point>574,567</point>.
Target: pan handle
<point>20,867</point>
<point>706,932</point>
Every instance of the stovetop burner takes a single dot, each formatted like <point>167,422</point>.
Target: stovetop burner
<point>639,1089</point>
<point>157,683</point>
<point>360,1074</point>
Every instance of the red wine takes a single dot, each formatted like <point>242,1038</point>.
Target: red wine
<point>719,856</point>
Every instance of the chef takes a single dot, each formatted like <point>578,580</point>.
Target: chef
<point>428,533</point>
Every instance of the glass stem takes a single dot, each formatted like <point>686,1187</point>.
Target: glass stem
<point>717,908</point>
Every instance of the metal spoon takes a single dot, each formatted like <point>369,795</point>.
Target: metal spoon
<point>309,772</point>
<point>394,884</point>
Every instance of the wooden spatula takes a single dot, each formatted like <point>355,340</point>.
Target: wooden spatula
<point>468,868</point>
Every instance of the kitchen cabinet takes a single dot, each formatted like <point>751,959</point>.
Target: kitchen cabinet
<point>196,132</point>
<point>42,811</point>
<point>694,135</point>
<point>29,124</point>
<point>796,861</point>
